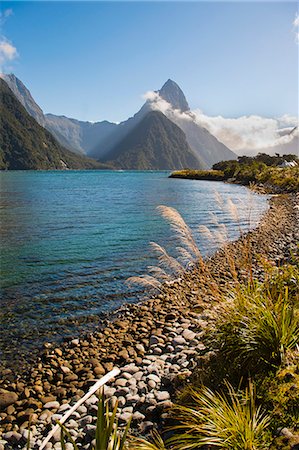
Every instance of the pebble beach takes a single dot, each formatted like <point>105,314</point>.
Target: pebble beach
<point>156,344</point>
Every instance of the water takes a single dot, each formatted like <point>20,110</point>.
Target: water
<point>69,240</point>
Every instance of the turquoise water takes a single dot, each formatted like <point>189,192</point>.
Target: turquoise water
<point>69,240</point>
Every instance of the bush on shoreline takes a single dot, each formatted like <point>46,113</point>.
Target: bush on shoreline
<point>262,169</point>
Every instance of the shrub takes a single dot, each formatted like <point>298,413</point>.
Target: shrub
<point>255,332</point>
<point>231,421</point>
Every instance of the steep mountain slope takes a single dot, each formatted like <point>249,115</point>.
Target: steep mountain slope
<point>100,139</point>
<point>76,135</point>
<point>170,100</point>
<point>173,94</point>
<point>24,144</point>
<point>155,143</point>
<point>203,143</point>
<point>81,136</point>
<point>24,96</point>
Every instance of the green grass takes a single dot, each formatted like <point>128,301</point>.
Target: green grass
<point>213,175</point>
<point>256,331</point>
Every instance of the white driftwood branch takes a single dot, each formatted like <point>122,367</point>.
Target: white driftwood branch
<point>91,391</point>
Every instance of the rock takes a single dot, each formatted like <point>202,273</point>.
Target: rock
<point>125,417</point>
<point>99,370</point>
<point>121,382</point>
<point>82,409</point>
<point>48,399</point>
<point>7,398</point>
<point>179,340</point>
<point>138,375</point>
<point>93,400</point>
<point>71,423</point>
<point>162,396</point>
<point>138,416</point>
<point>157,351</point>
<point>58,351</point>
<point>152,384</point>
<point>154,378</point>
<point>146,426</point>
<point>52,405</point>
<point>109,391</point>
<point>127,375</point>
<point>154,340</point>
<point>130,368</point>
<point>12,436</point>
<point>286,433</point>
<point>140,348</point>
<point>188,335</point>
<point>10,410</point>
<point>124,354</point>
<point>85,420</point>
<point>132,399</point>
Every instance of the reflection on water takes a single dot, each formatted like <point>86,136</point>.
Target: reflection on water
<point>70,239</point>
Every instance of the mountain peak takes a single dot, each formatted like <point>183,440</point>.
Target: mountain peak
<point>173,94</point>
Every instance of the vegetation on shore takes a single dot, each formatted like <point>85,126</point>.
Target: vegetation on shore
<point>244,395</point>
<point>247,390</point>
<point>262,170</point>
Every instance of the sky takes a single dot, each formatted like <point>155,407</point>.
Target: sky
<point>95,60</point>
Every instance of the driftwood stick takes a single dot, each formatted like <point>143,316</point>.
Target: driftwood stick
<point>91,391</point>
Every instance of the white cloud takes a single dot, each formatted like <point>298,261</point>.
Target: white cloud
<point>240,134</point>
<point>296,26</point>
<point>8,51</point>
<point>248,132</point>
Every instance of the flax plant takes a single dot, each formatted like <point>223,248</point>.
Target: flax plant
<point>108,434</point>
<point>229,421</point>
<point>254,331</point>
<point>155,443</point>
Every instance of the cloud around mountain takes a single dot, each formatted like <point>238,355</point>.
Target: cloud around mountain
<point>249,134</point>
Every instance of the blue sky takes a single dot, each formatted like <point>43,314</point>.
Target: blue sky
<point>94,60</point>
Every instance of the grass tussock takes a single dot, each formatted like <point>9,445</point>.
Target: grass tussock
<point>255,330</point>
<point>229,421</point>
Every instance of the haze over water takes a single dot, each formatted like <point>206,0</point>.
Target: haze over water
<point>71,239</point>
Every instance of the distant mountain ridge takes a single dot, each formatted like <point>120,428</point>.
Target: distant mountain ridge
<point>24,144</point>
<point>102,140</point>
<point>76,135</point>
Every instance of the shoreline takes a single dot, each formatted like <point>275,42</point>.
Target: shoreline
<point>151,331</point>
<point>218,175</point>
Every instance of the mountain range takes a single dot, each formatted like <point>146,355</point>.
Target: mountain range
<point>24,144</point>
<point>192,145</point>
